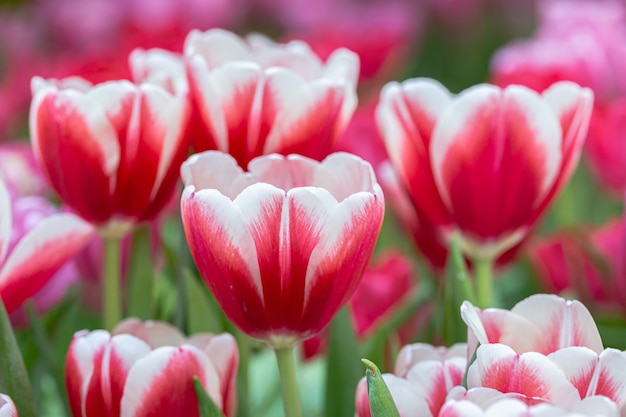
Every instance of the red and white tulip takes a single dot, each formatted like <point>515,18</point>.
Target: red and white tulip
<point>256,97</point>
<point>541,323</point>
<point>148,370</point>
<point>283,246</point>
<point>448,150</point>
<point>111,151</point>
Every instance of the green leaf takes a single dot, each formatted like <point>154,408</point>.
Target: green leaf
<point>205,404</point>
<point>14,380</point>
<point>141,277</point>
<point>343,368</point>
<point>381,402</point>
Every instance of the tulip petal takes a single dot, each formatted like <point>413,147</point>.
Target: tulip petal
<point>406,117</point>
<point>7,407</point>
<point>119,356</point>
<point>306,116</point>
<point>434,379</point>
<point>161,383</point>
<point>5,220</point>
<point>79,366</point>
<point>154,333</point>
<point>216,47</point>
<point>530,374</point>
<point>562,323</point>
<point>67,123</point>
<point>485,134</point>
<point>222,245</point>
<point>594,374</point>
<point>348,239</point>
<point>214,169</point>
<point>39,254</point>
<point>223,353</point>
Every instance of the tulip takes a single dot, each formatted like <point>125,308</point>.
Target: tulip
<point>506,406</point>
<point>255,97</point>
<point>446,150</point>
<point>7,408</point>
<point>422,379</point>
<point>19,170</point>
<point>147,369</point>
<point>541,323</point>
<point>284,245</point>
<point>31,254</point>
<point>111,151</point>
<point>587,265</point>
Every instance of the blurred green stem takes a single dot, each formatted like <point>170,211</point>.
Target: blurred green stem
<point>483,279</point>
<point>14,380</point>
<point>112,313</point>
<point>243,342</point>
<point>288,382</point>
<point>43,344</point>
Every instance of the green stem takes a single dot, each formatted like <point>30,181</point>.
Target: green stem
<point>112,313</point>
<point>244,344</point>
<point>483,276</point>
<point>14,380</point>
<point>288,383</point>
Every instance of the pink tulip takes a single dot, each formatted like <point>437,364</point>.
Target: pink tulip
<point>7,408</point>
<point>111,151</point>
<point>605,150</point>
<point>35,248</point>
<point>147,369</point>
<point>422,379</point>
<point>506,406</point>
<point>446,150</point>
<point>541,323</point>
<point>255,97</point>
<point>587,265</point>
<point>284,245</point>
<point>580,41</point>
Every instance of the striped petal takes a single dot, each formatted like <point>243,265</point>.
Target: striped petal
<point>65,124</point>
<point>300,117</point>
<point>161,383</point>
<point>501,145</point>
<point>82,354</point>
<point>406,116</point>
<point>103,392</point>
<point>7,407</point>
<point>572,105</point>
<point>224,247</point>
<point>594,374</point>
<point>223,352</point>
<point>530,374</point>
<point>561,323</point>
<point>39,254</point>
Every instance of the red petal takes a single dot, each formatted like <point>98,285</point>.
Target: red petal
<point>38,256</point>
